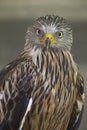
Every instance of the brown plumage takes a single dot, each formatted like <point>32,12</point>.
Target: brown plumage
<point>43,89</point>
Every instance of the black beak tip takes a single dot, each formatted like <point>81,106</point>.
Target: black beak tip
<point>48,41</point>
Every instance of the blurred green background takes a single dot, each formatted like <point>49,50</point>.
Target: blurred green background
<point>17,15</point>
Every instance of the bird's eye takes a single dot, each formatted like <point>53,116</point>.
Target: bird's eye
<point>38,32</point>
<point>60,34</point>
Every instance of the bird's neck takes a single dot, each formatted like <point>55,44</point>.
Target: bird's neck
<point>53,64</point>
<point>47,62</point>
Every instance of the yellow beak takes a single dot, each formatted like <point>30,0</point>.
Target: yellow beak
<point>50,37</point>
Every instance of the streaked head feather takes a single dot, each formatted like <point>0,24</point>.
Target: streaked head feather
<point>52,24</point>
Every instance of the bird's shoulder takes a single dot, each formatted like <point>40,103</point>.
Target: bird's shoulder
<point>17,81</point>
<point>76,115</point>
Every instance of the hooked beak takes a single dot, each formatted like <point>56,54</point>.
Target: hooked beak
<point>48,39</point>
<point>48,42</point>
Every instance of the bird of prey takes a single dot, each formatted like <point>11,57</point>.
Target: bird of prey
<point>43,89</point>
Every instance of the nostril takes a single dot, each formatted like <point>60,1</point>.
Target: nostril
<point>49,37</point>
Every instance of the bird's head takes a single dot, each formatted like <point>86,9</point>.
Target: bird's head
<point>49,30</point>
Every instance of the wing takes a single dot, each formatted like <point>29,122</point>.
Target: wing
<point>77,112</point>
<point>17,81</point>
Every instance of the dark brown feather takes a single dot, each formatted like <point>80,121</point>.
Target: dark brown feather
<point>17,80</point>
